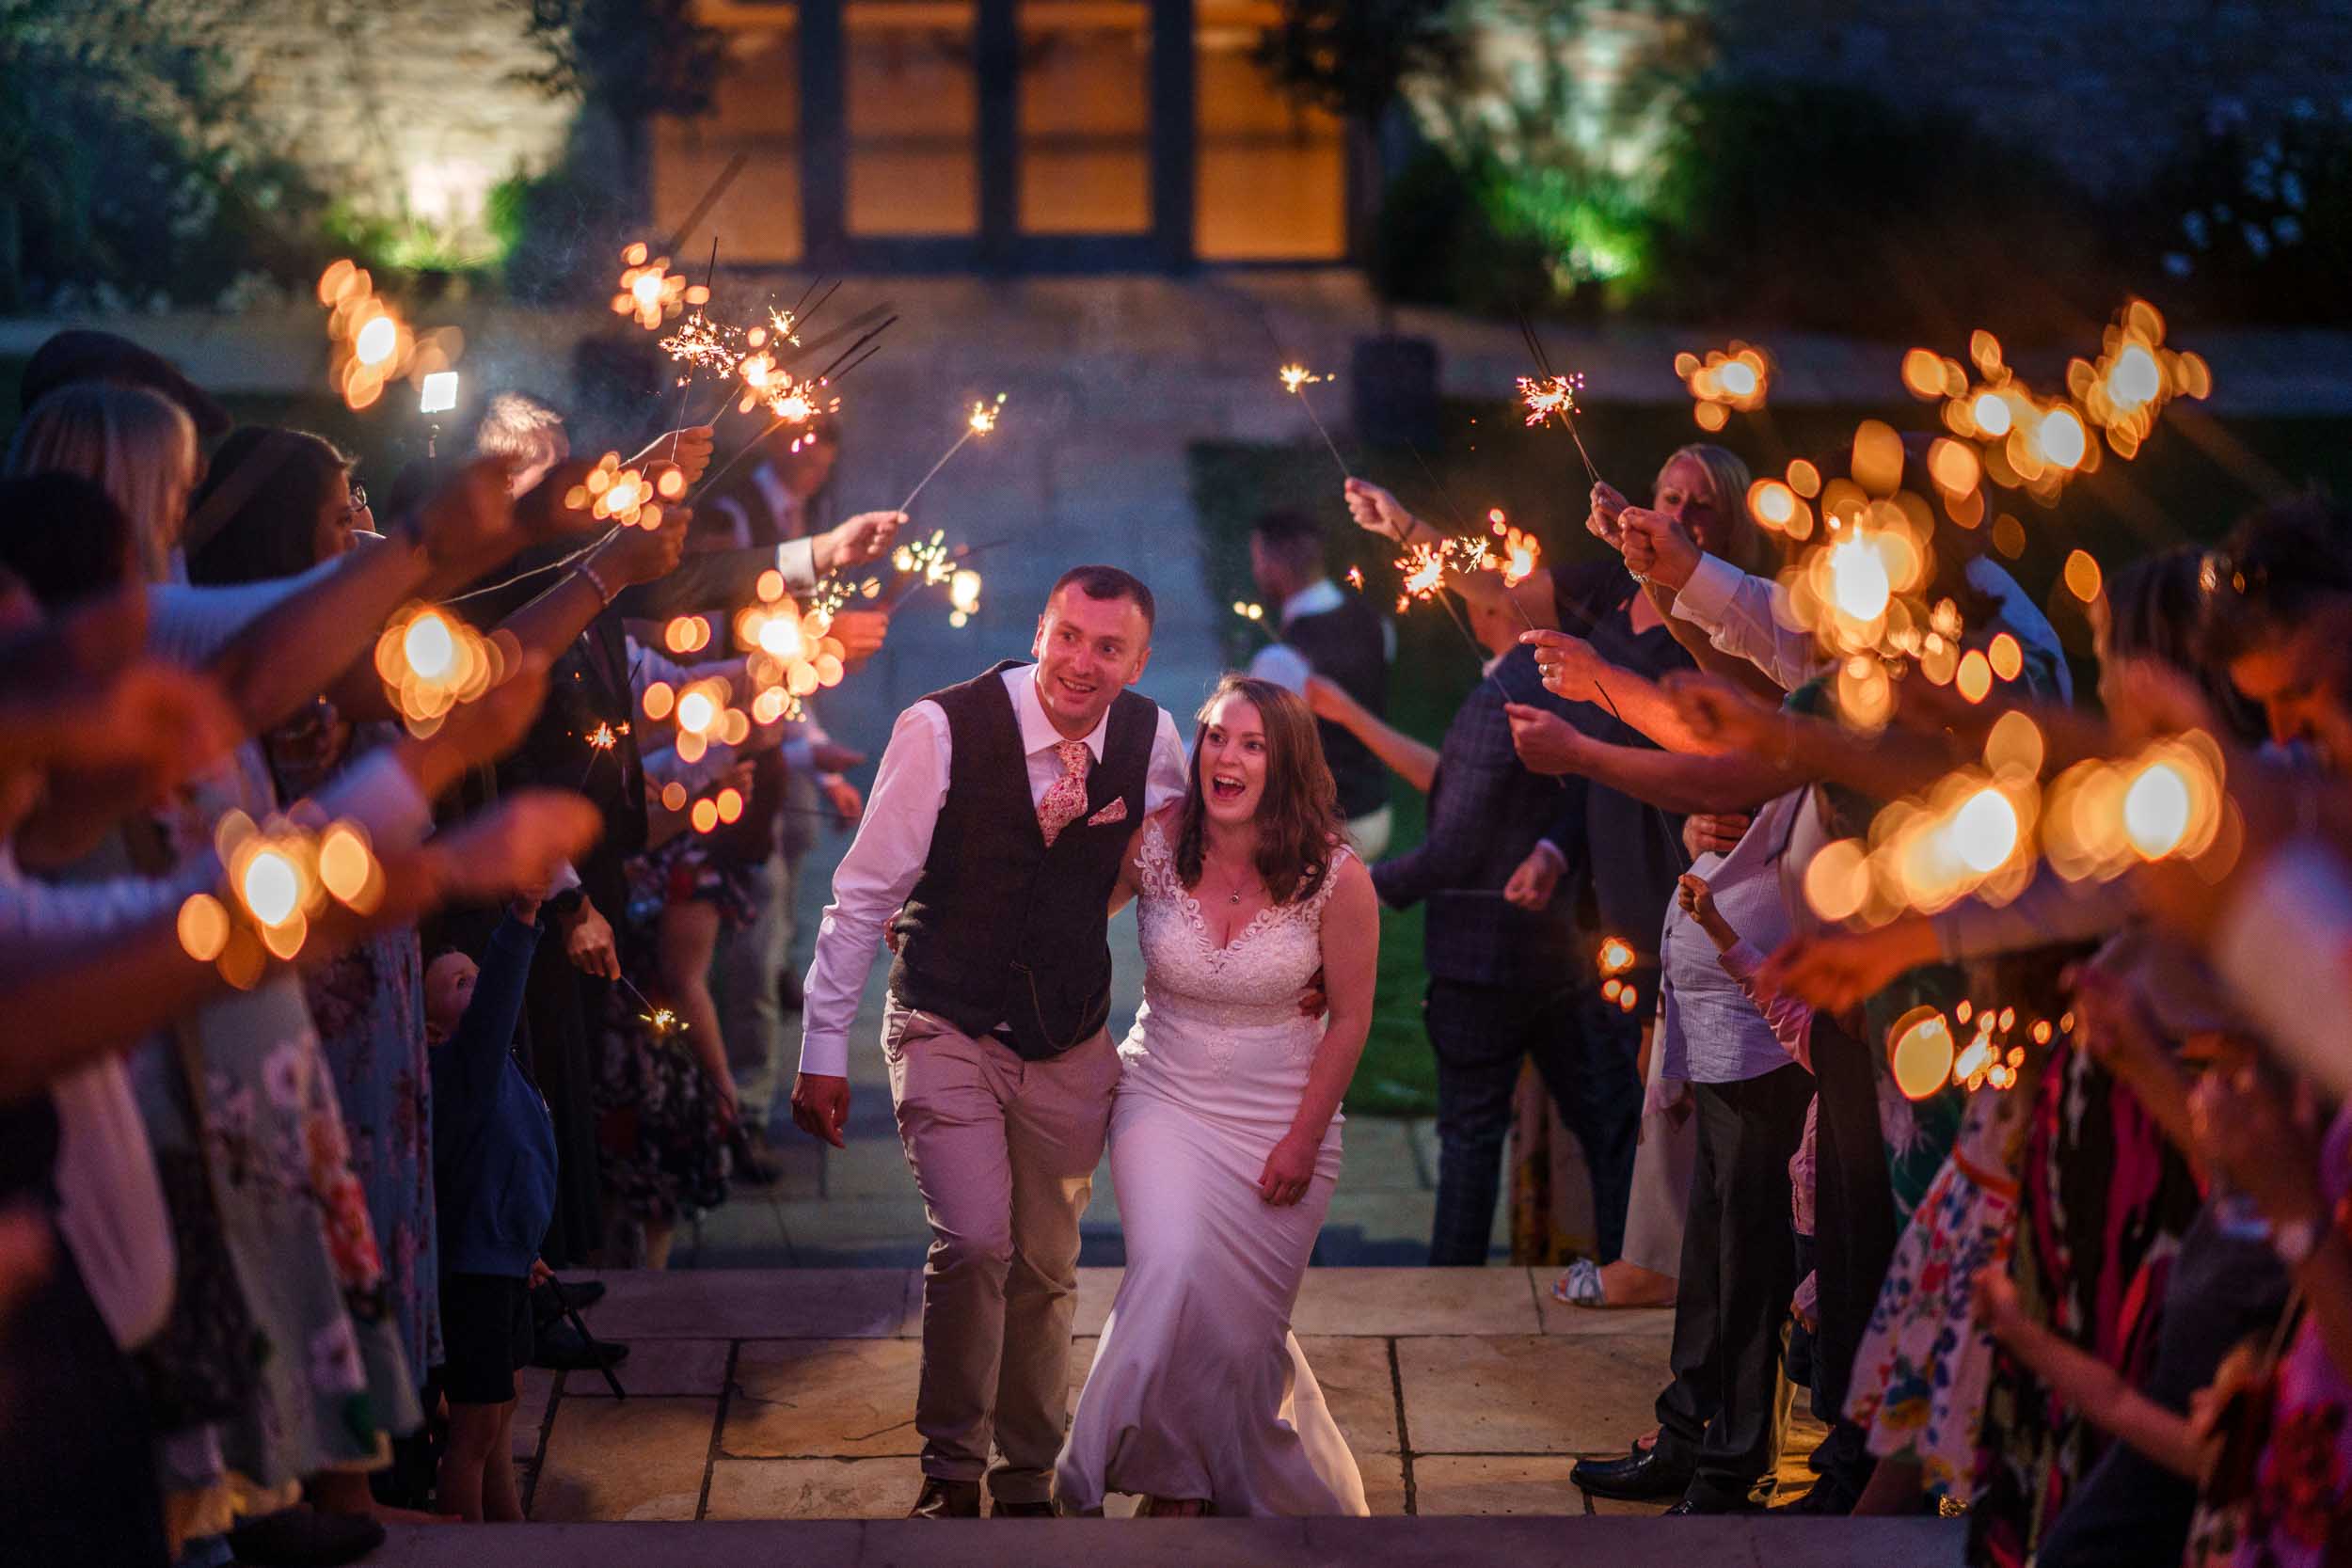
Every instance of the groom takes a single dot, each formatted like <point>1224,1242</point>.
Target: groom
<point>1000,814</point>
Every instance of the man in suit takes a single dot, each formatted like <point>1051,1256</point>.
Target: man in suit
<point>1325,630</point>
<point>1000,813</point>
<point>1503,977</point>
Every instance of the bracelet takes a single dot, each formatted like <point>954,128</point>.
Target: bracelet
<point>588,569</point>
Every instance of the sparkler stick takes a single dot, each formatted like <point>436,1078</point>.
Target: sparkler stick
<point>686,382</point>
<point>978,422</point>
<point>710,199</point>
<point>1297,378</point>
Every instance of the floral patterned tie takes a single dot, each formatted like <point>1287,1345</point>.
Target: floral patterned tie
<point>1065,799</point>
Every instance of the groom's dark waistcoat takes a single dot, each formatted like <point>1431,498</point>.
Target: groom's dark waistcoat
<point>1001,931</point>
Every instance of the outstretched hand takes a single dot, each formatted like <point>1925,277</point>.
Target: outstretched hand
<point>1375,511</point>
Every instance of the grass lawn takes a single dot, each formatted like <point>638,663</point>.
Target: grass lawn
<point>2188,484</point>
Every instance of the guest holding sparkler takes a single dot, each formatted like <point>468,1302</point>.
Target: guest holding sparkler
<point>1323,630</point>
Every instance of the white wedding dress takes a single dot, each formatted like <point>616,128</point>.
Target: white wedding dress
<point>1199,1389</point>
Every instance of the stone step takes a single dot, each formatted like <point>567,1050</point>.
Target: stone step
<point>1527,1542</point>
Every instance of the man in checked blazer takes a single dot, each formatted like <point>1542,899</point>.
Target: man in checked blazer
<point>1503,978</point>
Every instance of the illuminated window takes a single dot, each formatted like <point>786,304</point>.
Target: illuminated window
<point>1272,176</point>
<point>913,103</point>
<point>1085,117</point>
<point>758,112</point>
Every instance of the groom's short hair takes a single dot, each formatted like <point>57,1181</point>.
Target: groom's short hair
<point>1109,583</point>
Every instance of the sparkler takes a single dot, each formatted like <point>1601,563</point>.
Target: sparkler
<point>1725,381</point>
<point>430,662</point>
<point>1924,1055</point>
<point>649,293</point>
<point>278,876</point>
<point>1296,379</point>
<point>625,496</point>
<point>980,422</point>
<point>372,345</point>
<point>661,1022</point>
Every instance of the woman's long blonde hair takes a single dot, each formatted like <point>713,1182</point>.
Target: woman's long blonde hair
<point>138,444</point>
<point>1748,547</point>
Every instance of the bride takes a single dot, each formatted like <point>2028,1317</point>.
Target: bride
<point>1225,1137</point>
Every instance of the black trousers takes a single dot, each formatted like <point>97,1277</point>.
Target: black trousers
<point>1854,1216</point>
<point>1721,1410</point>
<point>1588,1051</point>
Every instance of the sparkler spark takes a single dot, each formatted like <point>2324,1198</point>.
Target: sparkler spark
<point>430,662</point>
<point>277,877</point>
<point>602,738</point>
<point>1550,395</point>
<point>980,422</point>
<point>1356,579</point>
<point>1296,379</point>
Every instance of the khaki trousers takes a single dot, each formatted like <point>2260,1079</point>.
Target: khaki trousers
<point>1004,1152</point>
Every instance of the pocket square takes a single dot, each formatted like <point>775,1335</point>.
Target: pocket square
<point>1115,811</point>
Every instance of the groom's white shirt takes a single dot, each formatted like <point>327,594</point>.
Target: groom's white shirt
<point>895,839</point>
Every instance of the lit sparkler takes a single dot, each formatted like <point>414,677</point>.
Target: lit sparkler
<point>2135,376</point>
<point>278,876</point>
<point>430,662</point>
<point>1295,380</point>
<point>1725,381</point>
<point>649,291</point>
<point>372,344</point>
<point>625,496</point>
<point>980,422</point>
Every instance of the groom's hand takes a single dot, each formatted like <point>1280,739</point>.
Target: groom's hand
<point>1313,1002</point>
<point>821,1106</point>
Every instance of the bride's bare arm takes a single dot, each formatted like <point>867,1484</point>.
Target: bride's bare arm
<point>1351,965</point>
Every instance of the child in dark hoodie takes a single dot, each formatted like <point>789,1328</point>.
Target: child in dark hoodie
<point>494,1178</point>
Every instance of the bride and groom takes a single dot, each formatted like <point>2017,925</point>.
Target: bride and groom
<point>1010,815</point>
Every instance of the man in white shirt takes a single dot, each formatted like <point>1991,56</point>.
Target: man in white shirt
<point>1001,811</point>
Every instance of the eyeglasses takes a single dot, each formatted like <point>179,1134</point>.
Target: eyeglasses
<point>359,501</point>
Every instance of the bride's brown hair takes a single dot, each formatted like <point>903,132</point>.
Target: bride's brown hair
<point>1298,816</point>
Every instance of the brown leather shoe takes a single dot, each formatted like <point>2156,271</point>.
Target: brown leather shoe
<point>1000,1509</point>
<point>946,1500</point>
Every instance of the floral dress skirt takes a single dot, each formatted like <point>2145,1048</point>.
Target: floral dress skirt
<point>1924,1364</point>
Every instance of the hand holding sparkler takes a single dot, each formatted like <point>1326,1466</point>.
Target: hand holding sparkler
<point>1657,546</point>
<point>864,537</point>
<point>1601,521</point>
<point>687,451</point>
<point>1546,742</point>
<point>1725,715</point>
<point>1571,667</point>
<point>1842,969</point>
<point>861,633</point>
<point>635,555</point>
<point>1375,511</point>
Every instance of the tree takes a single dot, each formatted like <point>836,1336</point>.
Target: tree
<point>629,60</point>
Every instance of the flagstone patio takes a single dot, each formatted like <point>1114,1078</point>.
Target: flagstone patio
<point>789,1394</point>
<point>776,1405</point>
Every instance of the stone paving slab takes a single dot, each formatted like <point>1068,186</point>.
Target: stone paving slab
<point>1416,1301</point>
<point>834,1399</point>
<point>1528,1393</point>
<point>625,1459</point>
<point>1523,1543</point>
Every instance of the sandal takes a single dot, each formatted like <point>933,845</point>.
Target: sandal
<point>1580,1285</point>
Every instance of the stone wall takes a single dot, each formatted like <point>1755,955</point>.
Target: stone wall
<point>401,108</point>
<point>2108,87</point>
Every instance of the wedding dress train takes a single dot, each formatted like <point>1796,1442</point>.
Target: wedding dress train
<point>1199,1389</point>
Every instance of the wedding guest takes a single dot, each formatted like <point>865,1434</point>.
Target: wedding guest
<point>1505,977</point>
<point>1322,630</point>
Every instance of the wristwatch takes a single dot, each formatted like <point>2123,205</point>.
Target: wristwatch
<point>566,903</point>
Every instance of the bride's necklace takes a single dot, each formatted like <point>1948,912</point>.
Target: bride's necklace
<point>1233,895</point>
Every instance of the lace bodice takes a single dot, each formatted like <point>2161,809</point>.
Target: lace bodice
<point>1204,1004</point>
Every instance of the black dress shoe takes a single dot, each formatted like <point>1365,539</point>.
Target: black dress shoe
<point>946,1500</point>
<point>564,1349</point>
<point>1699,1502</point>
<point>1641,1477</point>
<point>1000,1509</point>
